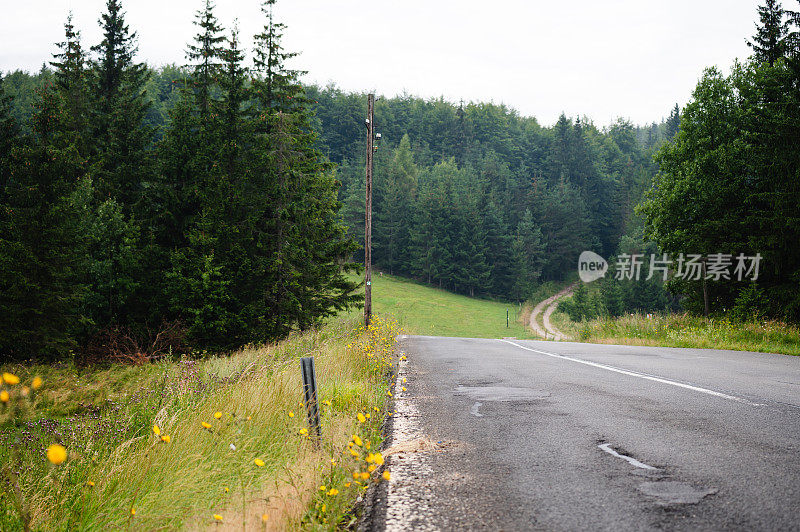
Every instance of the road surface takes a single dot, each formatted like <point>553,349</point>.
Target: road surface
<point>533,435</point>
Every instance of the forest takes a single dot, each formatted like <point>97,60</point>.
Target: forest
<point>222,202</point>
<point>126,237</point>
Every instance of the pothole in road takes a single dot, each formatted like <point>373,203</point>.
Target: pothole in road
<point>632,461</point>
<point>665,492</point>
<point>668,492</point>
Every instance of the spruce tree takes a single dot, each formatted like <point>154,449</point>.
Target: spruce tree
<point>41,242</point>
<point>391,247</point>
<point>9,135</point>
<point>120,106</point>
<point>768,43</point>
<point>206,55</point>
<point>673,122</point>
<point>71,83</point>
<point>528,256</point>
<point>275,87</point>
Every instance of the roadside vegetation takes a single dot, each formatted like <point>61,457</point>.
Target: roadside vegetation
<point>585,316</point>
<point>195,443</point>
<point>685,330</point>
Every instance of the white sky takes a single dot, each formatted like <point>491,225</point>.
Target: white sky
<point>603,59</point>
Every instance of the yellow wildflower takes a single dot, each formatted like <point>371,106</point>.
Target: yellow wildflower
<point>347,484</point>
<point>90,483</point>
<point>404,388</point>
<point>133,512</point>
<point>389,393</point>
<point>361,418</point>
<point>404,380</point>
<point>370,458</point>
<point>290,414</point>
<point>303,432</point>
<point>356,440</point>
<point>4,397</point>
<point>356,475</point>
<point>371,468</point>
<point>378,458</point>
<point>217,415</point>
<point>333,462</point>
<point>206,425</point>
<point>364,475</point>
<point>264,518</point>
<point>56,454</point>
<point>36,383</point>
<point>259,462</point>
<point>323,508</point>
<point>165,438</point>
<point>366,445</point>
<point>323,488</point>
<point>333,491</point>
<point>156,430</point>
<point>10,379</point>
<point>386,475</point>
<point>217,517</point>
<point>227,490</point>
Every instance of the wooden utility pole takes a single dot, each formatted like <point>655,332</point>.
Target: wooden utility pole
<point>368,214</point>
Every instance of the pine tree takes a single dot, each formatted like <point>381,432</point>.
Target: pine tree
<point>9,135</point>
<point>394,216</point>
<point>275,86</point>
<point>120,106</point>
<point>768,43</point>
<point>206,52</point>
<point>41,245</point>
<point>673,122</point>
<point>123,178</point>
<point>71,84</point>
<point>498,251</point>
<point>528,256</point>
<point>232,81</point>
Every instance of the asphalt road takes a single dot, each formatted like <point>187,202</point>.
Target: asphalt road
<point>526,435</point>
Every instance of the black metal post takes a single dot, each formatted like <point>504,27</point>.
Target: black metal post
<point>310,395</point>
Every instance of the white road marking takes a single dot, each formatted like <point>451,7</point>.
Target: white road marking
<point>632,461</point>
<point>639,375</point>
<point>474,409</point>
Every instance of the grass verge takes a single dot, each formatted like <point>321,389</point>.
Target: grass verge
<point>237,451</point>
<point>683,330</point>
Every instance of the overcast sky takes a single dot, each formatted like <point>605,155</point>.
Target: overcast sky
<point>604,59</point>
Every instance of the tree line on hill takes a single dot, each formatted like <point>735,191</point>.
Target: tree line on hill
<point>479,200</point>
<point>128,227</point>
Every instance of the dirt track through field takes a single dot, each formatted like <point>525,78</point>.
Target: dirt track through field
<point>549,305</point>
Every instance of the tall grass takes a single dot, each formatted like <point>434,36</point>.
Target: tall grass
<point>684,330</point>
<point>253,465</point>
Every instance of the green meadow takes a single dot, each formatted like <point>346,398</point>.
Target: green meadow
<point>424,310</point>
